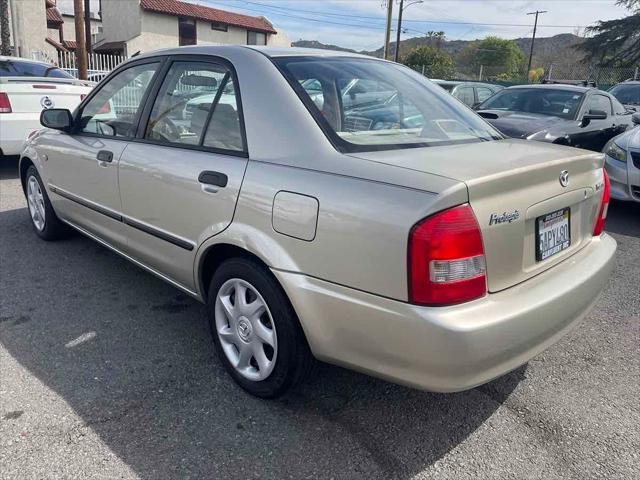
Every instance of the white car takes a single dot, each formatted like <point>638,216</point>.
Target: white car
<point>622,162</point>
<point>26,88</point>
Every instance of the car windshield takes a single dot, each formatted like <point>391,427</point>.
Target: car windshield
<point>366,104</point>
<point>11,68</point>
<point>627,94</point>
<point>559,103</point>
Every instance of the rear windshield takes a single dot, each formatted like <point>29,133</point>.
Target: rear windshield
<point>627,94</point>
<point>367,105</point>
<point>10,68</point>
<point>559,103</point>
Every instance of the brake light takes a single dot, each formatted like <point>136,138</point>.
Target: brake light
<point>604,205</point>
<point>5,104</point>
<point>446,259</point>
<point>46,87</point>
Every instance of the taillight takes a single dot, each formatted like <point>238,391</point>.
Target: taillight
<point>106,108</point>
<point>446,259</point>
<point>5,104</point>
<point>604,205</point>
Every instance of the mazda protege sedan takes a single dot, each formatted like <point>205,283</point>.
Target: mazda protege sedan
<point>425,249</point>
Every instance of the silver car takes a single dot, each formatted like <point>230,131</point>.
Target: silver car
<point>433,253</point>
<point>622,161</point>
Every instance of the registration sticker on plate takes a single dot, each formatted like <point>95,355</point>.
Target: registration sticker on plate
<point>553,233</point>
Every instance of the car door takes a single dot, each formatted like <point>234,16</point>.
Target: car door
<point>82,166</point>
<point>593,134</point>
<point>180,179</point>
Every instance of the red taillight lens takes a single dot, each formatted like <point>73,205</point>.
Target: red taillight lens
<point>106,108</point>
<point>5,104</point>
<point>446,259</point>
<point>604,205</point>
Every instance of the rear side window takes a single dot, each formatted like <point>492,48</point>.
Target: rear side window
<point>628,94</point>
<point>12,68</point>
<point>197,106</point>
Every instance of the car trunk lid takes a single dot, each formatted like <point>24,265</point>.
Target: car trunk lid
<point>512,183</point>
<point>32,94</point>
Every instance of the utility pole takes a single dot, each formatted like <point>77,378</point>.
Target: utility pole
<point>387,33</point>
<point>402,7</point>
<point>397,54</point>
<point>533,39</point>
<point>81,51</point>
<point>87,24</point>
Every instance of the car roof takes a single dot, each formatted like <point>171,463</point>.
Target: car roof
<point>4,58</point>
<point>268,51</point>
<point>554,86</point>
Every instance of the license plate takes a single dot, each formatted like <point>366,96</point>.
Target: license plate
<point>553,233</point>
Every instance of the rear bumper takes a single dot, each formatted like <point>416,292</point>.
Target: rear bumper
<point>15,128</point>
<point>449,348</point>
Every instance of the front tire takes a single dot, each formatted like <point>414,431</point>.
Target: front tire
<point>256,332</point>
<point>44,220</point>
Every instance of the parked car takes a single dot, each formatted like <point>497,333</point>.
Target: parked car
<point>469,93</point>
<point>27,87</point>
<point>569,115</point>
<point>417,253</point>
<point>627,93</point>
<point>622,161</point>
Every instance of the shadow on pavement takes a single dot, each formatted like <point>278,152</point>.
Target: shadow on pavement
<point>8,167</point>
<point>623,218</point>
<point>133,357</point>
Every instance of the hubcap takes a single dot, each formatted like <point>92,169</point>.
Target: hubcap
<point>246,329</point>
<point>35,199</point>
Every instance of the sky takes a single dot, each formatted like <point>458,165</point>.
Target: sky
<point>359,24</point>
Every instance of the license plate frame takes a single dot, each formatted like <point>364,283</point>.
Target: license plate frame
<point>545,223</point>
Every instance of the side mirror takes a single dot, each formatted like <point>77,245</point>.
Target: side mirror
<point>56,118</point>
<point>595,115</point>
<point>635,118</point>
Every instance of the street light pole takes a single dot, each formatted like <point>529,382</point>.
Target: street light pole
<point>533,39</point>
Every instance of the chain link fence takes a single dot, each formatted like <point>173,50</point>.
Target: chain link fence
<point>603,77</point>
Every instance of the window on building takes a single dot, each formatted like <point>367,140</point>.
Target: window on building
<point>187,32</point>
<point>222,27</point>
<point>256,38</point>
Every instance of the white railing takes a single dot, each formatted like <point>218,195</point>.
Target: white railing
<point>99,64</point>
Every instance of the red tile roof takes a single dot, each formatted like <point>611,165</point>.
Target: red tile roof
<point>53,15</point>
<point>190,10</point>
<point>69,44</point>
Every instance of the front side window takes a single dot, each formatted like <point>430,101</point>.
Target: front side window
<point>465,95</point>
<point>483,93</point>
<point>370,105</point>
<point>599,102</point>
<point>544,101</point>
<point>256,38</point>
<point>114,109</point>
<point>197,106</point>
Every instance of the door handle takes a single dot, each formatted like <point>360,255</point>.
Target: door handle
<point>105,156</point>
<point>216,179</point>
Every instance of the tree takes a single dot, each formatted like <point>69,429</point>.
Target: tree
<point>436,63</point>
<point>495,52</point>
<point>615,42</point>
<point>5,35</point>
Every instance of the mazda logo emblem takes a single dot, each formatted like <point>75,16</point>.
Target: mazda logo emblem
<point>564,178</point>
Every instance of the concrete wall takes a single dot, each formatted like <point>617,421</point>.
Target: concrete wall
<point>69,27</point>
<point>121,20</point>
<point>29,28</point>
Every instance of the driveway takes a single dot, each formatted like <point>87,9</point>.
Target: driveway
<point>107,372</point>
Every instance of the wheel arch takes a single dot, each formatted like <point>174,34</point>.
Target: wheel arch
<point>23,166</point>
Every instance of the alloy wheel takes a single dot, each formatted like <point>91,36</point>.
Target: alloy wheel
<point>35,199</point>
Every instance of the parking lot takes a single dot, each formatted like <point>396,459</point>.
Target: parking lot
<point>107,372</point>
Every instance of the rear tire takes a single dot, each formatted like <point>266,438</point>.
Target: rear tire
<point>44,220</point>
<point>255,330</point>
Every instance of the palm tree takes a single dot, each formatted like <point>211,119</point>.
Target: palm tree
<point>5,35</point>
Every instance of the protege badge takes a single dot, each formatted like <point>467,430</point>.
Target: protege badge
<point>504,218</point>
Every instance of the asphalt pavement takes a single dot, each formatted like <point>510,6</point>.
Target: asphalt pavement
<point>107,372</point>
